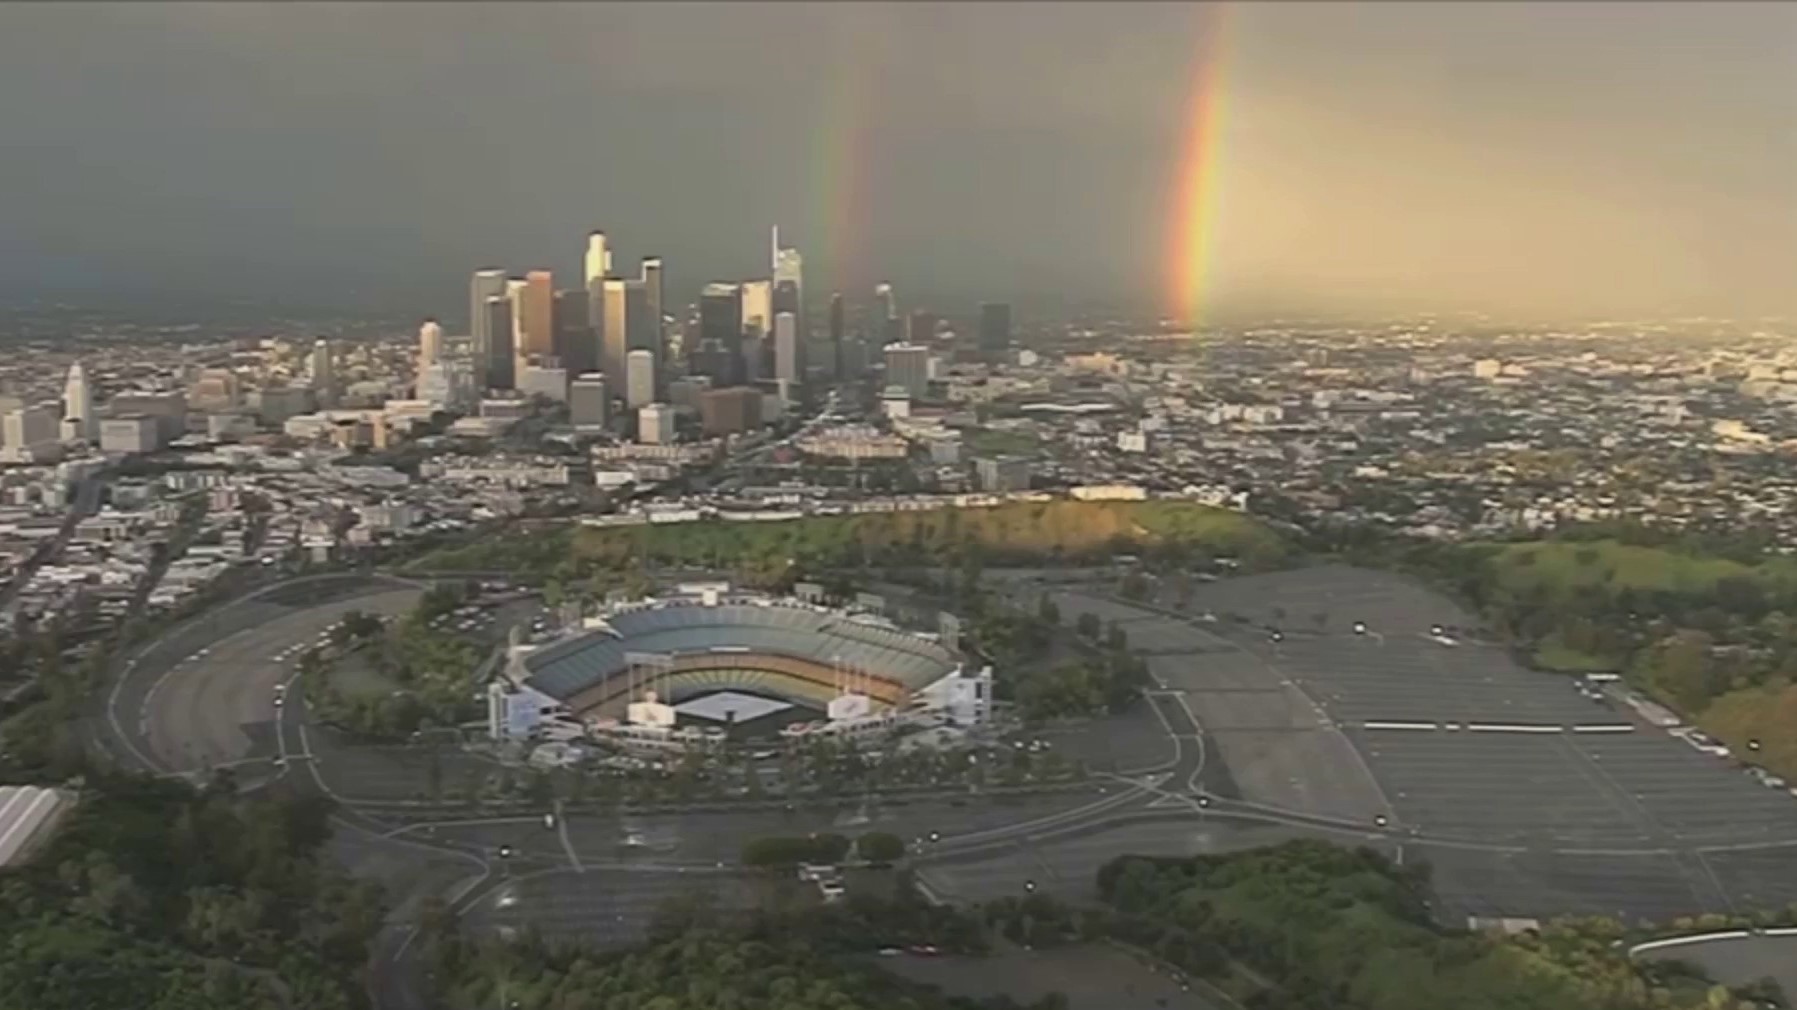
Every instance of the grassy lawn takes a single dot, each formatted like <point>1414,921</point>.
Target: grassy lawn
<point>1763,713</point>
<point>1556,656</point>
<point>1000,443</point>
<point>1565,566</point>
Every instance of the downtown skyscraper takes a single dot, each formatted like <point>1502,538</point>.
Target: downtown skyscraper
<point>486,285</point>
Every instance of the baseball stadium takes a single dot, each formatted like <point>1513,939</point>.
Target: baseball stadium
<point>714,657</point>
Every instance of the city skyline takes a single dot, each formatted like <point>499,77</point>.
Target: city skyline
<point>1593,159</point>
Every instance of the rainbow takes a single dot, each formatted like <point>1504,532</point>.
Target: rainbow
<point>1197,204</point>
<point>841,158</point>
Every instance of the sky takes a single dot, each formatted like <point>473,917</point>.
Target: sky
<point>1556,160</point>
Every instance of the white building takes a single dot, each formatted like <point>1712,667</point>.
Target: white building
<point>134,434</point>
<point>78,404</point>
<point>430,344</point>
<point>639,378</point>
<point>536,380</point>
<point>789,362</point>
<point>655,424</point>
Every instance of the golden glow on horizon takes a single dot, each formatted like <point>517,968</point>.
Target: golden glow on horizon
<point>1192,231</point>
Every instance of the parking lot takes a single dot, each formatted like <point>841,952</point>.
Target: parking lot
<point>607,907</point>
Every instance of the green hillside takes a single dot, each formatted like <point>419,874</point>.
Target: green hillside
<point>1021,531</point>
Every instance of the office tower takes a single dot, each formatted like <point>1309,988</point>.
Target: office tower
<point>885,302</point>
<point>789,285</point>
<point>275,404</point>
<point>657,311</point>
<point>30,427</point>
<point>132,434</point>
<point>168,407</point>
<point>486,284</point>
<point>908,368</point>
<point>655,424</point>
<point>430,344</point>
<point>758,305</point>
<point>922,328</point>
<point>639,378</point>
<point>789,351</point>
<point>640,333</point>
<point>787,299</point>
<point>78,403</point>
<point>448,384</point>
<point>718,354</point>
<point>540,378</point>
<point>995,330</point>
<point>574,345</point>
<point>787,263</point>
<point>496,368</point>
<point>215,391</point>
<point>598,258</point>
<point>324,373</point>
<point>614,333</point>
<point>684,393</point>
<point>838,323</point>
<point>730,411</point>
<point>536,316</point>
<point>587,401</point>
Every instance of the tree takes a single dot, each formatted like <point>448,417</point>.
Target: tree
<point>880,847</point>
<point>1089,626</point>
<point>1047,612</point>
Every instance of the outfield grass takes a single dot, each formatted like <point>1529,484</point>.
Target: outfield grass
<point>1044,530</point>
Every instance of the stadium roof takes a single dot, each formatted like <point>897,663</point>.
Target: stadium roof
<point>26,812</point>
<point>823,636</point>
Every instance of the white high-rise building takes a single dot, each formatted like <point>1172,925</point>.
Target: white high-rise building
<point>324,373</point>
<point>655,424</point>
<point>789,355</point>
<point>30,427</point>
<point>639,378</point>
<point>448,383</point>
<point>486,285</point>
<point>598,258</point>
<point>78,403</point>
<point>430,344</point>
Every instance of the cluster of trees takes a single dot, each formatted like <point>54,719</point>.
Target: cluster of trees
<point>41,740</point>
<point>432,668</point>
<point>782,851</point>
<point>1103,683</point>
<point>154,894</point>
<point>783,957</point>
<point>1311,926</point>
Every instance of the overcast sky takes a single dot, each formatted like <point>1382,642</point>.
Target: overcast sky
<point>1608,158</point>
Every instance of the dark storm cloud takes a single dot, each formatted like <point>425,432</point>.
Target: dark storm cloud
<point>1555,158</point>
